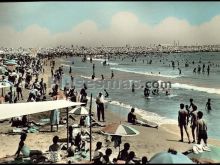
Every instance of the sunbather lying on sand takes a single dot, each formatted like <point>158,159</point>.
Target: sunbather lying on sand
<point>132,119</point>
<point>22,122</point>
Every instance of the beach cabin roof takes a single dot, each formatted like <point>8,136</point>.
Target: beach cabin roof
<point>20,109</point>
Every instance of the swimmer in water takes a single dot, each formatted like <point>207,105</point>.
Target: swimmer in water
<point>208,105</point>
<point>133,86</point>
<point>102,77</point>
<point>106,93</point>
<point>146,92</point>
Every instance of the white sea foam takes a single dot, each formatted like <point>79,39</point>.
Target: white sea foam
<point>111,63</point>
<point>102,60</point>
<point>146,115</point>
<point>86,77</point>
<point>144,73</point>
<point>65,65</point>
<point>73,66</point>
<point>172,95</point>
<point>193,87</point>
<point>97,59</point>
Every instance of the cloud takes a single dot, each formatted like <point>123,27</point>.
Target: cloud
<point>125,28</point>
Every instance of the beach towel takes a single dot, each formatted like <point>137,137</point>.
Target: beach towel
<point>33,129</point>
<point>199,148</point>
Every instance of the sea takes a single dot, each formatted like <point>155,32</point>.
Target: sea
<point>160,108</point>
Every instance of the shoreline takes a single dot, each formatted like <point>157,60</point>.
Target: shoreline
<point>149,142</point>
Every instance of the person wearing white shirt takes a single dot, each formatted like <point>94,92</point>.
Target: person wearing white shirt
<point>100,107</point>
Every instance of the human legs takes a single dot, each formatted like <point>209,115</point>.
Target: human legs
<point>21,94</point>
<point>103,114</point>
<point>193,132</point>
<point>98,113</point>
<point>186,130</point>
<point>181,132</point>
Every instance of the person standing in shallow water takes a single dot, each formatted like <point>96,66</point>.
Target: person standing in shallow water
<point>133,87</point>
<point>179,71</point>
<point>112,74</point>
<point>70,71</point>
<point>93,69</point>
<point>208,105</point>
<point>191,103</point>
<point>208,69</point>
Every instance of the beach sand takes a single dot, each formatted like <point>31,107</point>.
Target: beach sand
<point>147,143</point>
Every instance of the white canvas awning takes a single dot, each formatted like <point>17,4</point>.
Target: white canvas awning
<point>20,109</point>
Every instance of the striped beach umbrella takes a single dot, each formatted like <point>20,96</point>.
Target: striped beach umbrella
<point>79,111</point>
<point>210,156</point>
<point>170,158</point>
<point>116,129</point>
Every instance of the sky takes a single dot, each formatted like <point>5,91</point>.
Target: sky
<point>48,24</point>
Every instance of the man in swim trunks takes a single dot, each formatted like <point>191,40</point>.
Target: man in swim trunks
<point>182,121</point>
<point>193,115</point>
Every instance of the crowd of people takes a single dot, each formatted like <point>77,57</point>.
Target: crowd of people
<point>125,155</point>
<point>26,77</point>
<point>198,124</point>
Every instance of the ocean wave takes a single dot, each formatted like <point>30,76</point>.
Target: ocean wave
<point>144,73</point>
<point>73,66</point>
<point>146,115</point>
<point>196,88</point>
<point>97,59</point>
<point>102,60</point>
<point>86,77</point>
<point>111,63</point>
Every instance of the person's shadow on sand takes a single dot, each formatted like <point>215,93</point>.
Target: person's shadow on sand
<point>171,140</point>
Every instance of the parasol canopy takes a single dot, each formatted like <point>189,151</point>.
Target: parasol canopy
<point>170,158</point>
<point>79,111</point>
<point>119,130</point>
<point>20,109</point>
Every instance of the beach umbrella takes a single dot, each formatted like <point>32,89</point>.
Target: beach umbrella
<point>116,129</point>
<point>119,130</point>
<point>211,156</point>
<point>166,157</point>
<point>79,111</point>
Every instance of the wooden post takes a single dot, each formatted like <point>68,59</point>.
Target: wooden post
<point>90,127</point>
<point>67,125</point>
